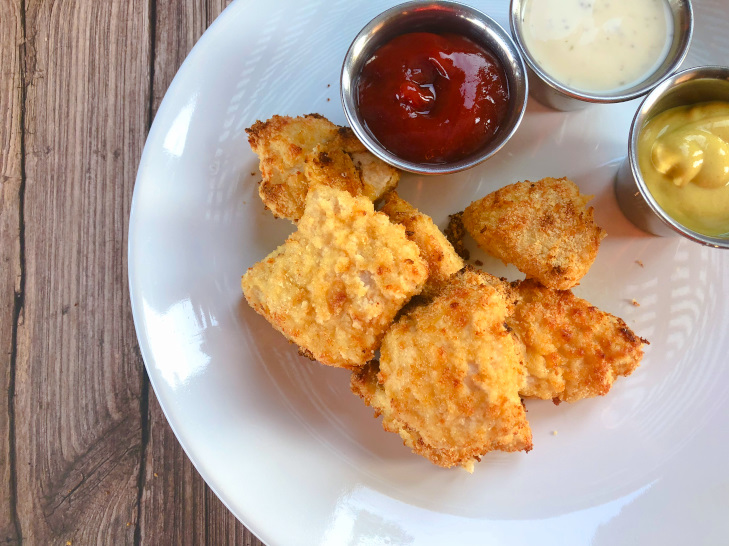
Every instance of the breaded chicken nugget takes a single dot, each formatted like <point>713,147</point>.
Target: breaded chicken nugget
<point>296,153</point>
<point>449,377</point>
<point>331,166</point>
<point>282,145</point>
<point>573,350</point>
<point>377,176</point>
<point>336,284</point>
<point>543,228</point>
<point>434,247</point>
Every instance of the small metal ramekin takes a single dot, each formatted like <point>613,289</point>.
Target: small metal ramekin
<point>555,95</point>
<point>434,17</point>
<point>692,86</point>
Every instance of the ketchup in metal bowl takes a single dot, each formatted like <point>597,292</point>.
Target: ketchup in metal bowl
<point>433,98</point>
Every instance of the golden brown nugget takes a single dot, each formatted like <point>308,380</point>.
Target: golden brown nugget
<point>283,144</point>
<point>434,247</point>
<point>449,377</point>
<point>573,350</point>
<point>543,228</point>
<point>296,153</point>
<point>336,284</point>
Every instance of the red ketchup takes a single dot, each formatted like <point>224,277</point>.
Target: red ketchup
<point>433,98</point>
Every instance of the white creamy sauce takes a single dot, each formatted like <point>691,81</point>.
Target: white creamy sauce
<point>597,45</point>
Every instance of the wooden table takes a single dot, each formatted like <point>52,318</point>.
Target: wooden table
<point>86,455</point>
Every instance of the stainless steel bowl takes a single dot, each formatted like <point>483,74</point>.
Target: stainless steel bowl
<point>695,85</point>
<point>434,17</point>
<point>553,94</point>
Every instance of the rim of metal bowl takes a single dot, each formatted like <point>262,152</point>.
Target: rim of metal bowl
<point>639,120</point>
<point>507,48</point>
<point>597,98</point>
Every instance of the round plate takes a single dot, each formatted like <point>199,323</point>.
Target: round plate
<point>284,443</point>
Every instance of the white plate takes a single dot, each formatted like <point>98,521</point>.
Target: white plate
<point>283,442</point>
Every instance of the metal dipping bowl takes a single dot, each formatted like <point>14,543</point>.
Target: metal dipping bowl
<point>438,17</point>
<point>692,86</point>
<point>555,95</point>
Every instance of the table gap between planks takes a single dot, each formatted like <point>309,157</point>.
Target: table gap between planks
<point>86,455</point>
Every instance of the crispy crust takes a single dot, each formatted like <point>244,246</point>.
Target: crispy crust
<point>363,383</point>
<point>455,232</point>
<point>543,228</point>
<point>573,350</point>
<point>377,176</point>
<point>297,153</point>
<point>337,283</point>
<point>434,247</point>
<point>449,376</point>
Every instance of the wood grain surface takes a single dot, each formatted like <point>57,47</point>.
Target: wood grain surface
<point>11,160</point>
<point>87,456</point>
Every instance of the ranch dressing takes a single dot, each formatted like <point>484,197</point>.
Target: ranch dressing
<point>597,45</point>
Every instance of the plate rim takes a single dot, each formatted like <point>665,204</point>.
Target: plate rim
<point>250,523</point>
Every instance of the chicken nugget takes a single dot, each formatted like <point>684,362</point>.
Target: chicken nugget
<point>434,247</point>
<point>296,153</point>
<point>330,166</point>
<point>449,376</point>
<point>377,176</point>
<point>543,228</point>
<point>573,350</point>
<point>336,284</point>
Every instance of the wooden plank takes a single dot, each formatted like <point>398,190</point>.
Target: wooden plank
<point>215,8</point>
<point>178,25</point>
<point>177,506</point>
<point>10,263</point>
<point>79,374</point>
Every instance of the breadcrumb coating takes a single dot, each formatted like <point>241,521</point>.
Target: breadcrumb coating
<point>298,153</point>
<point>434,247</point>
<point>336,284</point>
<point>455,232</point>
<point>573,350</point>
<point>377,176</point>
<point>543,228</point>
<point>449,376</point>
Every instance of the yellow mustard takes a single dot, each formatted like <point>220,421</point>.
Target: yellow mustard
<point>683,154</point>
